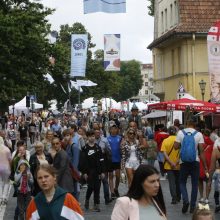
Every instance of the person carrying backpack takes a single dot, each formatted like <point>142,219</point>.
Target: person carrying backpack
<point>190,143</point>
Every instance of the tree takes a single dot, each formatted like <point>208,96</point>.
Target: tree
<point>151,7</point>
<point>131,80</point>
<point>62,54</point>
<point>24,50</point>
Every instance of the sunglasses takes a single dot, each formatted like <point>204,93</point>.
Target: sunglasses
<point>57,143</point>
<point>131,133</point>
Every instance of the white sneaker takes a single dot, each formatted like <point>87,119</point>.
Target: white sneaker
<point>162,178</point>
<point>206,201</point>
<point>201,200</point>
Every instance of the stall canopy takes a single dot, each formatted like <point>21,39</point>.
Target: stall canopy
<point>156,114</point>
<point>183,104</point>
<point>21,106</point>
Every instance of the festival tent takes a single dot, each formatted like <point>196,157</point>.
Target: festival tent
<point>183,104</point>
<point>156,114</point>
<point>21,106</point>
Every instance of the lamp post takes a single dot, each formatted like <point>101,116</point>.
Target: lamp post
<point>13,111</point>
<point>202,85</point>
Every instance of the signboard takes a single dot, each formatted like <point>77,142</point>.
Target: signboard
<point>107,6</point>
<point>79,43</point>
<point>213,41</point>
<point>112,52</point>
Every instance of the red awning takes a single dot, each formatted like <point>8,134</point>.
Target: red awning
<point>182,104</point>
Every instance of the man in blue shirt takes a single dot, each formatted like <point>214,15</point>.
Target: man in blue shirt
<point>56,127</point>
<point>115,141</point>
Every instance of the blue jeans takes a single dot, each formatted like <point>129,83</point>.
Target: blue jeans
<point>189,169</point>
<point>106,188</point>
<point>76,191</point>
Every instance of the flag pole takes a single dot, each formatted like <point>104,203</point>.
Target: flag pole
<point>79,87</point>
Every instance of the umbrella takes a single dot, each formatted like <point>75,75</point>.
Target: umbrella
<point>183,104</point>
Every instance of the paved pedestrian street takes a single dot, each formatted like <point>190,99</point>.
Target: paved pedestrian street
<point>173,211</point>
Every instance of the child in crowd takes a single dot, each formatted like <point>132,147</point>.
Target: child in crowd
<point>216,178</point>
<point>202,212</point>
<point>24,181</point>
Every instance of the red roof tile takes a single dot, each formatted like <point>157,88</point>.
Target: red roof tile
<point>195,16</point>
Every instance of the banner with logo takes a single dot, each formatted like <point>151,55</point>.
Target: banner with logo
<point>214,61</point>
<point>107,6</point>
<point>112,52</point>
<point>79,44</point>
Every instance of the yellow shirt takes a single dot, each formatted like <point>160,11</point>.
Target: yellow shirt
<point>174,155</point>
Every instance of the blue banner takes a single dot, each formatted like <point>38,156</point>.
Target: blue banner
<point>108,6</point>
<point>79,43</point>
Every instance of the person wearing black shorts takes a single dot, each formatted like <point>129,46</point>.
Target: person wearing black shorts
<point>115,141</point>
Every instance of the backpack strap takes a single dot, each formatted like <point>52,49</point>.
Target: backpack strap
<point>184,132</point>
<point>194,133</point>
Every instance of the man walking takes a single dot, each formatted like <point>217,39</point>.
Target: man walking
<point>190,143</point>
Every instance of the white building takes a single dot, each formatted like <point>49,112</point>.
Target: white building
<point>146,92</point>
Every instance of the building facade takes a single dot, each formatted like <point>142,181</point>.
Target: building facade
<point>146,92</point>
<point>180,46</point>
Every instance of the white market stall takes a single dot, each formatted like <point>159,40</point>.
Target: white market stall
<point>21,106</point>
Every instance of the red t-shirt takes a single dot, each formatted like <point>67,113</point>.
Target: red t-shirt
<point>159,137</point>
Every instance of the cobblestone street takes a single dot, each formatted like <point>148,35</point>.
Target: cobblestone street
<point>174,211</point>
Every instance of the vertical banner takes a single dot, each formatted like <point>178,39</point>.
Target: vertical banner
<point>112,52</point>
<point>213,41</point>
<point>107,6</point>
<point>79,44</point>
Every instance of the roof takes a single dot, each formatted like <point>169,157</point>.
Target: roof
<point>147,66</point>
<point>195,16</point>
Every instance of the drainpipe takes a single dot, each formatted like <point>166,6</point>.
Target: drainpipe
<point>193,65</point>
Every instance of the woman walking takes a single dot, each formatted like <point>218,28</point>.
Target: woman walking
<point>131,154</point>
<point>52,202</point>
<point>5,159</point>
<point>144,197</point>
<point>38,158</point>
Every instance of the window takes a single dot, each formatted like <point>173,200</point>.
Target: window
<point>175,17</point>
<point>146,83</point>
<point>171,15</point>
<point>179,59</point>
<point>165,19</point>
<point>146,92</point>
<point>162,24</point>
<point>173,61</point>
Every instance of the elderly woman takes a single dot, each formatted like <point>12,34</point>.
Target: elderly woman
<point>38,158</point>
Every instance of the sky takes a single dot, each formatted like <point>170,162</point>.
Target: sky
<point>135,26</point>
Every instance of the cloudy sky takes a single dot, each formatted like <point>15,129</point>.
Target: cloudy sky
<point>135,27</point>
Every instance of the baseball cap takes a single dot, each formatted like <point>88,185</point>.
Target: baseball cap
<point>112,124</point>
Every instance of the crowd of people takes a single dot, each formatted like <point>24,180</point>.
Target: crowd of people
<point>84,149</point>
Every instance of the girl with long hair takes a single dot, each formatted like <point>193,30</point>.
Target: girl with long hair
<point>144,197</point>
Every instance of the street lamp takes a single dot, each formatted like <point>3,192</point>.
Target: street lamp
<point>13,111</point>
<point>202,85</point>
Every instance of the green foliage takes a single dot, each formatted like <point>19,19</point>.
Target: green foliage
<point>151,7</point>
<point>24,54</point>
<point>131,80</point>
<point>24,50</point>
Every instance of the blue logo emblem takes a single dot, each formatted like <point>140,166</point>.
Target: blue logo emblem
<point>79,44</point>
